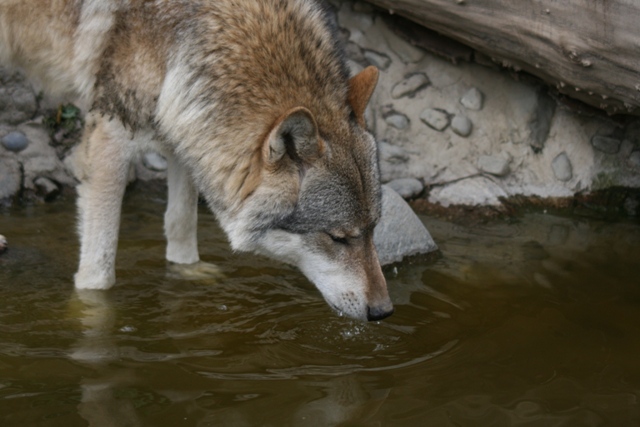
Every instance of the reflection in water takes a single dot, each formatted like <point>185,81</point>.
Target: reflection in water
<point>529,323</point>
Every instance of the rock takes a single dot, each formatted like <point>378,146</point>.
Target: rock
<point>10,178</point>
<point>435,118</point>
<point>154,161</point>
<point>634,159</point>
<point>476,191</point>
<point>392,154</point>
<point>15,141</point>
<point>472,99</point>
<point>363,7</point>
<point>606,144</point>
<point>411,84</point>
<point>461,125</point>
<point>561,166</point>
<point>17,100</point>
<point>540,121</point>
<point>400,233</point>
<point>3,244</point>
<point>396,119</point>
<point>379,60</point>
<point>46,188</point>
<point>406,187</point>
<point>494,165</point>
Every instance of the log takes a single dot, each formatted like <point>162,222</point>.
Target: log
<point>588,49</point>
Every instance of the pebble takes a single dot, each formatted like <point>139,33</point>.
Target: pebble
<point>411,84</point>
<point>397,120</point>
<point>561,167</point>
<point>379,60</point>
<point>606,144</point>
<point>435,118</point>
<point>15,141</point>
<point>392,154</point>
<point>406,187</point>
<point>494,165</point>
<point>472,99</point>
<point>154,161</point>
<point>461,125</point>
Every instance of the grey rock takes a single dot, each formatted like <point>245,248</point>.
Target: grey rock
<point>634,159</point>
<point>561,166</point>
<point>10,177</point>
<point>539,123</point>
<point>154,161</point>
<point>392,153</point>
<point>15,141</point>
<point>363,7</point>
<point>494,165</point>
<point>606,144</point>
<point>17,100</point>
<point>380,60</point>
<point>397,120</point>
<point>406,187</point>
<point>400,233</point>
<point>461,125</point>
<point>472,99</point>
<point>435,118</point>
<point>411,84</point>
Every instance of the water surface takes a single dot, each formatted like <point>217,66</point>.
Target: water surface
<point>531,322</point>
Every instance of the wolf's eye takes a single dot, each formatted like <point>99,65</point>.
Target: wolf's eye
<point>341,240</point>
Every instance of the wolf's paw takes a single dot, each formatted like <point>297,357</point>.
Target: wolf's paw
<point>197,271</point>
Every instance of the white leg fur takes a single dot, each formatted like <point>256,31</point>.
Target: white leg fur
<point>108,152</point>
<point>181,217</point>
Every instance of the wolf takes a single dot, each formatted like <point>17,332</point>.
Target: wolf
<point>252,104</point>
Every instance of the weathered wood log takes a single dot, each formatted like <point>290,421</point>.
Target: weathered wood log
<point>588,49</point>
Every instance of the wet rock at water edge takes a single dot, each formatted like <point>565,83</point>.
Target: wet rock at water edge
<point>472,99</point>
<point>3,244</point>
<point>400,233</point>
<point>46,188</point>
<point>155,162</point>
<point>10,178</point>
<point>411,84</point>
<point>606,144</point>
<point>15,141</point>
<point>406,187</point>
<point>435,118</point>
<point>494,165</point>
<point>461,125</point>
<point>562,168</point>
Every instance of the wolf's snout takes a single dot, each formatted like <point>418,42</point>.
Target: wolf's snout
<point>379,312</point>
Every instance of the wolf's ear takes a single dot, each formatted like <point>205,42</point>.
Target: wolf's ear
<point>361,88</point>
<point>294,136</point>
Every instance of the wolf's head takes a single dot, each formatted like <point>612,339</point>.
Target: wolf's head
<point>318,202</point>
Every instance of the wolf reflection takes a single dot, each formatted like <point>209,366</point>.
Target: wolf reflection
<point>340,399</point>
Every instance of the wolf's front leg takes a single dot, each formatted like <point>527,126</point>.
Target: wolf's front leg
<point>107,152</point>
<point>181,218</point>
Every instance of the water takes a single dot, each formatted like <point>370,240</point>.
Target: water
<point>529,323</point>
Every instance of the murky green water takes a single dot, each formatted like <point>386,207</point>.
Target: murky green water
<point>533,323</point>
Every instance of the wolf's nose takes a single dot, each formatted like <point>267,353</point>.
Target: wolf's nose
<point>379,313</point>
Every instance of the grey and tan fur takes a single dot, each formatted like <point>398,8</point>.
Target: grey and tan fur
<point>249,100</point>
